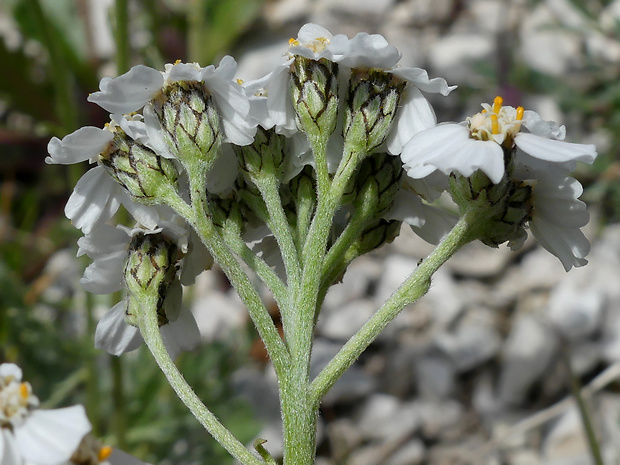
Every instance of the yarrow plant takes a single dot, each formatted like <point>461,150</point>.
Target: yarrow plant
<point>294,176</point>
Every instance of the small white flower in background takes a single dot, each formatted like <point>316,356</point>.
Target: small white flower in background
<point>30,435</point>
<point>479,142</point>
<point>92,452</point>
<point>108,247</point>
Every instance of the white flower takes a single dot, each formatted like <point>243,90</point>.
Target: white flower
<point>137,88</point>
<point>108,247</point>
<point>41,437</point>
<point>97,196</point>
<point>480,143</point>
<point>362,52</point>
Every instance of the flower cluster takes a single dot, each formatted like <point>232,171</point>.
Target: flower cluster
<point>525,173</point>
<point>191,148</point>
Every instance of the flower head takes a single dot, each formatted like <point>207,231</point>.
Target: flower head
<point>40,437</point>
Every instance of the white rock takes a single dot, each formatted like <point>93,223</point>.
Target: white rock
<point>546,48</point>
<point>470,345</point>
<point>412,453</point>
<point>439,418</point>
<point>452,55</point>
<point>576,313</point>
<point>385,417</point>
<point>357,280</point>
<point>435,377</point>
<point>353,385</point>
<point>478,260</point>
<point>218,316</point>
<point>566,443</point>
<point>526,356</point>
<point>341,324</point>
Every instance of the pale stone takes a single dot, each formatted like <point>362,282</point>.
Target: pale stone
<point>526,356</point>
<point>412,453</point>
<point>383,417</point>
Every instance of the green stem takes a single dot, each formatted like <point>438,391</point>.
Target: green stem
<point>583,410</point>
<point>121,35</point>
<point>414,287</point>
<point>278,224</point>
<point>212,239</point>
<point>152,336</point>
<point>258,265</point>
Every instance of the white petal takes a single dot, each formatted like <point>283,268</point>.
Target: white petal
<point>184,72</point>
<point>10,369</point>
<point>437,225</point>
<point>365,51</point>
<point>538,126</point>
<point>221,179</point>
<point>233,104</point>
<point>569,245</point>
<point>52,436</point>
<point>81,145</point>
<point>555,150</point>
<point>408,208</point>
<point>93,199</point>
<point>182,334</point>
<point>310,32</point>
<point>102,240</point>
<point>146,215</point>
<point>529,167</point>
<point>419,77</point>
<point>105,275</point>
<point>279,100</point>
<point>415,114</point>
<point>448,148</point>
<point>128,92</point>
<point>9,452</point>
<point>114,335</point>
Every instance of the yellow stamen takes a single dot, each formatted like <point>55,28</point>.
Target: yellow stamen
<point>23,390</point>
<point>293,42</point>
<point>494,124</point>
<point>104,453</point>
<point>177,62</point>
<point>240,82</point>
<point>497,104</point>
<point>520,113</point>
<point>484,110</point>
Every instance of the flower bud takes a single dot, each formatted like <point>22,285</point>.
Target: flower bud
<point>385,171</point>
<point>190,123</point>
<point>371,106</point>
<point>507,205</point>
<point>314,90</point>
<point>145,175</point>
<point>376,234</point>
<point>151,267</point>
<point>267,150</point>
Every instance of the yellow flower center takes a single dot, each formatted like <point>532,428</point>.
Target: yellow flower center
<point>104,453</point>
<point>497,122</point>
<point>317,45</point>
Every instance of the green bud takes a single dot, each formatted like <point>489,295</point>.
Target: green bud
<point>372,103</point>
<point>314,90</point>
<point>379,232</point>
<point>226,213</point>
<point>507,205</point>
<point>382,173</point>
<point>190,122</point>
<point>266,152</point>
<point>152,265</point>
<point>146,176</point>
